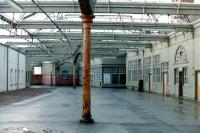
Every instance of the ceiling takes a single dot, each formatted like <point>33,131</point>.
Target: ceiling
<point>51,30</point>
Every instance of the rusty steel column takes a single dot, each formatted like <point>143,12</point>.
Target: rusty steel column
<point>87,20</point>
<point>74,75</point>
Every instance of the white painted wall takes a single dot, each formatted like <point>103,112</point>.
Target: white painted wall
<point>12,69</point>
<point>16,69</point>
<point>3,68</point>
<point>22,71</point>
<point>167,54</point>
<point>47,70</point>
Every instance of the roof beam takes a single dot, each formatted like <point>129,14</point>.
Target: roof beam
<point>94,48</point>
<point>87,6</point>
<point>11,23</point>
<point>94,43</point>
<point>38,6</point>
<point>102,25</point>
<point>95,36</point>
<point>111,7</point>
<point>28,16</point>
<point>15,5</point>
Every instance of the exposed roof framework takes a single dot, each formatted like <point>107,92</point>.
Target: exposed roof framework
<point>95,36</point>
<point>52,30</point>
<point>102,26</point>
<point>107,7</point>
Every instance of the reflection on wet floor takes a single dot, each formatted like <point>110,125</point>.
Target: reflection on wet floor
<point>179,106</point>
<point>114,111</point>
<point>27,130</point>
<point>197,112</point>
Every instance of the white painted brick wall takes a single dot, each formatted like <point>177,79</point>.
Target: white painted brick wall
<point>167,54</point>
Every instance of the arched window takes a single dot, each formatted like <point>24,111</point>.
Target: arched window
<point>180,55</point>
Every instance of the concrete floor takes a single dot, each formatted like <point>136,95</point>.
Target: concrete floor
<point>114,111</point>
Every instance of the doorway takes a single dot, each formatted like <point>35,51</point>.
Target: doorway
<point>165,83</point>
<point>181,85</point>
<point>197,90</point>
<point>150,81</point>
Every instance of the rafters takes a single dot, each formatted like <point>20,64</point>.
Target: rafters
<point>112,7</point>
<point>94,43</point>
<point>11,24</point>
<point>95,36</point>
<point>108,35</point>
<point>103,26</point>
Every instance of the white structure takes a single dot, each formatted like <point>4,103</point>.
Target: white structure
<point>168,68</point>
<point>107,72</point>
<point>12,70</point>
<point>48,73</point>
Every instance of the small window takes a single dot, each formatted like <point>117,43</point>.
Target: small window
<point>176,76</point>
<point>185,72</point>
<point>147,65</point>
<point>156,69</point>
<point>78,75</point>
<point>15,75</point>
<point>165,68</point>
<point>11,75</point>
<point>37,70</point>
<point>64,75</point>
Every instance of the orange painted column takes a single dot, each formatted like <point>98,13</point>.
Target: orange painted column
<point>87,20</point>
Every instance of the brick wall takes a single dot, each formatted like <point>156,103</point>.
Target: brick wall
<point>47,79</point>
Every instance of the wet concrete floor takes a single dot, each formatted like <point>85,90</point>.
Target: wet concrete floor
<point>114,111</point>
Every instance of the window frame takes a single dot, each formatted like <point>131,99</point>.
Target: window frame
<point>185,75</point>
<point>64,75</point>
<point>156,69</point>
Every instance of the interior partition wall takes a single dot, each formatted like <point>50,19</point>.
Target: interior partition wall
<point>108,76</point>
<point>3,68</point>
<point>12,69</point>
<point>106,72</point>
<point>113,76</point>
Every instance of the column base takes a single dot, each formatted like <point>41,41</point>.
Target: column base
<point>87,120</point>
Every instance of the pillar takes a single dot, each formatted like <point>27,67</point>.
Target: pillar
<point>74,75</point>
<point>87,20</point>
<point>51,79</point>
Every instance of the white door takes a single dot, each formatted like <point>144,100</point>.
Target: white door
<point>107,78</point>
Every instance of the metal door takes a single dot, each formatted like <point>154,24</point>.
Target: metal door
<point>181,85</point>
<point>150,82</point>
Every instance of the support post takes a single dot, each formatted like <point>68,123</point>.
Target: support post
<point>87,20</point>
<point>74,75</point>
<point>51,76</point>
<point>7,70</point>
<point>17,70</point>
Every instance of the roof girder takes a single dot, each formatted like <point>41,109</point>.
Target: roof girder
<point>94,43</point>
<point>95,36</point>
<point>101,25</point>
<point>111,7</point>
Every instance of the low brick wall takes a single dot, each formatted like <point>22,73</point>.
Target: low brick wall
<point>54,79</point>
